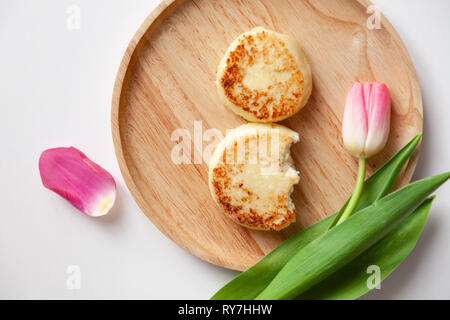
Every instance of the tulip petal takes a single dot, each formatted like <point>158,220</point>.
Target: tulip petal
<point>354,126</point>
<point>379,118</point>
<point>367,88</point>
<point>72,175</point>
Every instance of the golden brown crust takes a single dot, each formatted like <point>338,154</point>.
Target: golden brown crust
<point>248,217</point>
<point>279,99</point>
<point>222,183</point>
<point>237,198</point>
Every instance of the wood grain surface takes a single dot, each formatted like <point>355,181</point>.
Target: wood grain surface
<point>166,82</point>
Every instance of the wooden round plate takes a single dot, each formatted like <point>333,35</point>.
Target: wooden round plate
<point>166,82</point>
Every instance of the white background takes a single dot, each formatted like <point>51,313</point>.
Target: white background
<point>55,90</point>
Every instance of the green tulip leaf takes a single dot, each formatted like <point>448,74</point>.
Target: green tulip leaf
<point>350,282</point>
<point>345,242</point>
<point>251,282</point>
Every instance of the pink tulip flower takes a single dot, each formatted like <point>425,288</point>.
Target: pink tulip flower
<point>365,130</point>
<point>86,185</point>
<point>367,118</point>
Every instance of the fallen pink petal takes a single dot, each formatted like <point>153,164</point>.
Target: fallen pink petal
<point>82,182</point>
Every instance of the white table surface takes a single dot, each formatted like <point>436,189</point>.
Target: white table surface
<point>56,86</point>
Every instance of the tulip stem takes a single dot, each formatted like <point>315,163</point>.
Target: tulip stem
<point>356,193</point>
